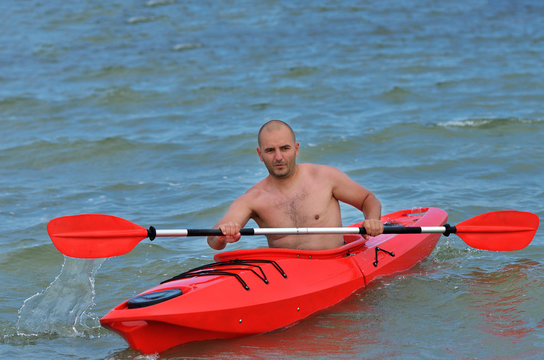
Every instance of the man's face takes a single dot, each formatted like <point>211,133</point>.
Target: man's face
<point>278,151</point>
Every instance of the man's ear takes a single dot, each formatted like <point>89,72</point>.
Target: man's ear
<point>259,152</point>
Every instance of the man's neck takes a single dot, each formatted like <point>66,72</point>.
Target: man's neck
<point>284,183</point>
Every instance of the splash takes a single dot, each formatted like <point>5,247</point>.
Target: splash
<point>63,308</point>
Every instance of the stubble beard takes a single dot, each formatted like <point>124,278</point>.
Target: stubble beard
<point>280,174</point>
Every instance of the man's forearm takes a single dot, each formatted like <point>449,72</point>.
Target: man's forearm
<point>372,207</point>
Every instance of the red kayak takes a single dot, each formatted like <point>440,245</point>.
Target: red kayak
<point>250,292</point>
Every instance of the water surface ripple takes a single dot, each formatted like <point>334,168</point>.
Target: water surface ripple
<point>148,110</point>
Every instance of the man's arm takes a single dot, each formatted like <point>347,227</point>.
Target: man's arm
<point>235,218</point>
<point>349,192</point>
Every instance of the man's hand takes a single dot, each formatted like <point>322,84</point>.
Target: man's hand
<point>231,231</point>
<point>373,227</point>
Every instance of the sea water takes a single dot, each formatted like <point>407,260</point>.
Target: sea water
<point>148,110</point>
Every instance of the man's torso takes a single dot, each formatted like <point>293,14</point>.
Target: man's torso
<point>306,202</point>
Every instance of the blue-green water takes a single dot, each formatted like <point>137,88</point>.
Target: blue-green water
<point>149,111</point>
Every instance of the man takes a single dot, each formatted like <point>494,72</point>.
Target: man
<point>296,195</point>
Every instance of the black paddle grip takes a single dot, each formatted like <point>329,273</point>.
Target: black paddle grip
<point>401,230</point>
<point>216,232</point>
<point>395,230</point>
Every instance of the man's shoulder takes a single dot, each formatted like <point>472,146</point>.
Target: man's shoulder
<point>318,169</point>
<point>256,190</point>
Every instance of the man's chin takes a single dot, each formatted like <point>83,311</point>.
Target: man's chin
<point>279,174</point>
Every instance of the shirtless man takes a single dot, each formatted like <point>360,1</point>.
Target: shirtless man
<point>296,195</point>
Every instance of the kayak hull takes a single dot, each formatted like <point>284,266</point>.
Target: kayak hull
<point>256,291</point>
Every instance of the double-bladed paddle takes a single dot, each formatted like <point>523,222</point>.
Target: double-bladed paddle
<point>99,236</point>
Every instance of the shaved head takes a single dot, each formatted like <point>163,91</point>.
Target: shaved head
<point>274,125</point>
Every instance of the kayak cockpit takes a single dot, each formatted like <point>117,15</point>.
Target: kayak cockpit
<point>353,244</point>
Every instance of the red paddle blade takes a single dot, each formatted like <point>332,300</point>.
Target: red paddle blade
<point>94,236</point>
<point>499,230</point>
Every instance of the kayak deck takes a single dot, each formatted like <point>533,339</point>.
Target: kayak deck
<point>259,290</point>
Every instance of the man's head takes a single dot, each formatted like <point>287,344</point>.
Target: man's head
<point>278,148</point>
<point>274,125</point>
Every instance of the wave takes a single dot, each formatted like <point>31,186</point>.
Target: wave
<point>187,46</point>
<point>41,154</point>
<point>153,3</point>
<point>399,95</point>
<point>491,123</point>
<point>140,19</point>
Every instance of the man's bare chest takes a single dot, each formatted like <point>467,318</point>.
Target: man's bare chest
<point>298,209</point>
